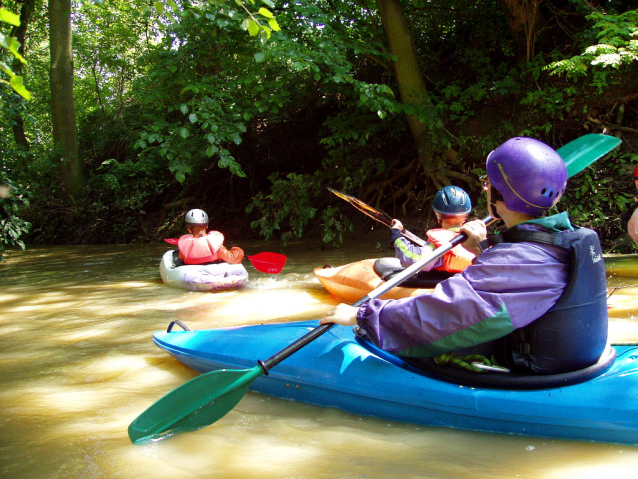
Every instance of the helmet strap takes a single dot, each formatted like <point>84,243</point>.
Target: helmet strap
<point>495,196</point>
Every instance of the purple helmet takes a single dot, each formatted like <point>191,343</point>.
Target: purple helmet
<point>529,174</point>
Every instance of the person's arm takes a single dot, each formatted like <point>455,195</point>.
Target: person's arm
<point>343,314</point>
<point>476,232</point>
<point>632,226</point>
<point>233,255</point>
<point>407,252</point>
<point>501,292</point>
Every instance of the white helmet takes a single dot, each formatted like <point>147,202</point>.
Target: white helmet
<point>196,217</point>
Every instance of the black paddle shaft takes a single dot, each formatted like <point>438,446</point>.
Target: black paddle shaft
<point>381,290</point>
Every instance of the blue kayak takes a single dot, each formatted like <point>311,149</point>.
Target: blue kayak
<point>341,370</point>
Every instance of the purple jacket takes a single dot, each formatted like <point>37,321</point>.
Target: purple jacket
<point>509,286</point>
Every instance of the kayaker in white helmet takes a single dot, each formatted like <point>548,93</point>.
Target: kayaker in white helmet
<point>452,206</point>
<point>535,297</point>
<point>201,246</point>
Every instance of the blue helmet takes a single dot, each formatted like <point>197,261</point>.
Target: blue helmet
<point>452,201</point>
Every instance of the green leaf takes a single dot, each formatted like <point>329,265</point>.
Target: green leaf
<point>269,3</point>
<point>260,57</point>
<point>253,28</point>
<point>265,12</point>
<point>16,83</point>
<point>273,24</point>
<point>9,17</point>
<point>183,132</point>
<point>245,24</point>
<point>184,108</point>
<point>5,68</point>
<point>159,8</point>
<point>192,117</point>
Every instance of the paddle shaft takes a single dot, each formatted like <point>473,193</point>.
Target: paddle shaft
<point>377,292</point>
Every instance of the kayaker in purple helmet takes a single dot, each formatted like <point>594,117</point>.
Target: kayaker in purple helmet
<point>535,297</point>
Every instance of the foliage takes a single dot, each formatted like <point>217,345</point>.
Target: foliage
<point>287,204</point>
<point>598,199</point>
<point>200,103</point>
<point>13,198</point>
<point>12,45</point>
<point>617,35</point>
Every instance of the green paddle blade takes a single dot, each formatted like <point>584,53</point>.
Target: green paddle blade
<point>195,404</point>
<point>583,151</point>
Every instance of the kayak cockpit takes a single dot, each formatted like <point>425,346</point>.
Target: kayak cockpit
<point>494,380</point>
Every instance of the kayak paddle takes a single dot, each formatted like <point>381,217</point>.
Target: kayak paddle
<point>271,263</point>
<point>577,155</point>
<point>583,151</point>
<point>206,398</point>
<point>376,214</point>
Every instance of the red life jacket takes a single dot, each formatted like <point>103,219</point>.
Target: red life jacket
<point>455,260</point>
<point>202,249</point>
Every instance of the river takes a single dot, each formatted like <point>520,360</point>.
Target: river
<point>77,365</point>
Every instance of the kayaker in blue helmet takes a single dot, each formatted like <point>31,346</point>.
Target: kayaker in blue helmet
<point>452,206</point>
<point>535,297</point>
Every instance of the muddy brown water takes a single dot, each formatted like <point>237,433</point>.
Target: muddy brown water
<point>77,365</point>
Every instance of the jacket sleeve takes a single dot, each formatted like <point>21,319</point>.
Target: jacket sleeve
<point>632,226</point>
<point>502,291</point>
<point>409,253</point>
<point>234,255</point>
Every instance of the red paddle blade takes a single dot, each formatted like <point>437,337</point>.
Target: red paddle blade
<point>171,240</point>
<point>271,263</point>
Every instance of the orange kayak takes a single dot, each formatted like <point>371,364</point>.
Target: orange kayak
<point>351,282</point>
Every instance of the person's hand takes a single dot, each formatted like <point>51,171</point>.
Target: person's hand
<point>476,232</point>
<point>343,314</point>
<point>396,225</point>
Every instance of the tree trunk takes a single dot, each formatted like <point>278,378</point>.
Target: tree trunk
<point>412,89</point>
<point>65,138</point>
<point>524,16</point>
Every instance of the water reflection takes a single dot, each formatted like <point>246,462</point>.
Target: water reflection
<point>78,365</point>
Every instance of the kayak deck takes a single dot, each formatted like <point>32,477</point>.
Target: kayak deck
<point>351,282</point>
<point>202,277</point>
<point>336,371</point>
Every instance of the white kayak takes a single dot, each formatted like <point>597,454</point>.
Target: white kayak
<point>202,277</point>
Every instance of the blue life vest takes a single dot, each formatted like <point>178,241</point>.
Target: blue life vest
<point>572,335</point>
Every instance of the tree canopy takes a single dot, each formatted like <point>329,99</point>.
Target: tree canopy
<point>249,109</point>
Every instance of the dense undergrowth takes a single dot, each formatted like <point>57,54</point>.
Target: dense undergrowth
<point>254,133</point>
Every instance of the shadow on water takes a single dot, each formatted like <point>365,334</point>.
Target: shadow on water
<point>78,365</point>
